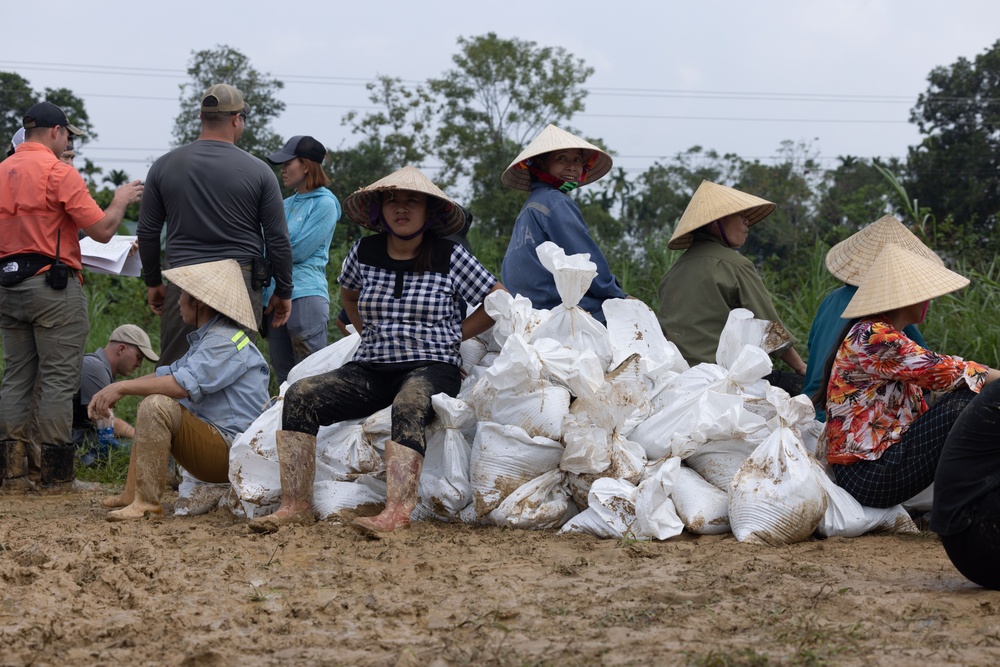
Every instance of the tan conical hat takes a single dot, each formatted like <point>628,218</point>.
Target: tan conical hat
<point>358,205</point>
<point>899,278</point>
<point>554,139</point>
<point>219,285</point>
<point>712,202</point>
<point>850,259</point>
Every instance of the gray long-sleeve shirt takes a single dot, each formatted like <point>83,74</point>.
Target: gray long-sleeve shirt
<point>218,202</point>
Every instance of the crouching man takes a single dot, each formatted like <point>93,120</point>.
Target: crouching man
<point>197,405</point>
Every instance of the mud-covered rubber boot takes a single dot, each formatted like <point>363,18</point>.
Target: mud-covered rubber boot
<point>58,468</point>
<point>402,481</point>
<point>297,460</point>
<point>15,474</point>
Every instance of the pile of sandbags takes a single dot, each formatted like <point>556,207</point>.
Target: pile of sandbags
<point>562,422</point>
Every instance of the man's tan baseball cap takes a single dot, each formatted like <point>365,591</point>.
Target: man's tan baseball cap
<point>223,98</point>
<point>133,335</point>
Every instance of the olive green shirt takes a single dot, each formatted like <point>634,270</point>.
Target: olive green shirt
<point>698,291</point>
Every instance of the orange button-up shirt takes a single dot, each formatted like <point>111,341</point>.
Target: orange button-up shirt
<point>38,196</point>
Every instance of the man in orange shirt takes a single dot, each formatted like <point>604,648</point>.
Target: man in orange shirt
<point>43,310</point>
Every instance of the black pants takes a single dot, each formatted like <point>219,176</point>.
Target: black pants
<point>357,390</point>
<point>975,551</point>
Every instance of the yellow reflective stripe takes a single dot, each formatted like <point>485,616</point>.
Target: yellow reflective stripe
<point>240,344</point>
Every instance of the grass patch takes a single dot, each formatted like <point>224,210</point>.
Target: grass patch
<point>110,469</point>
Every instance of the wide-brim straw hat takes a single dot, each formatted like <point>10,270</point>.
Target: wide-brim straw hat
<point>551,139</point>
<point>899,278</point>
<point>219,285</point>
<point>850,259</point>
<point>712,202</point>
<point>358,205</point>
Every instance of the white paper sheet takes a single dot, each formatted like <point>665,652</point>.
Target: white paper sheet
<point>111,257</point>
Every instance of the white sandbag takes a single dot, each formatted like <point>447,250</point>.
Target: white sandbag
<point>568,323</point>
<point>618,508</point>
<point>702,507</point>
<point>445,488</point>
<point>505,457</point>
<point>512,315</point>
<point>718,461</point>
<point>655,511</point>
<point>743,329</point>
<point>542,503</point>
<point>582,373</point>
<point>343,451</point>
<point>588,449</point>
<point>332,498</point>
<point>634,329</point>
<point>777,497</point>
<point>330,358</point>
<point>472,352</point>
<point>922,502</point>
<point>846,517</point>
<point>257,480</point>
<point>617,398</point>
<point>195,497</point>
<point>514,392</point>
<point>377,427</point>
<point>259,436</point>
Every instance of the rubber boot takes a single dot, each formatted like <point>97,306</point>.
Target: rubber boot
<point>58,468</point>
<point>402,481</point>
<point>297,459</point>
<point>147,477</point>
<point>15,474</point>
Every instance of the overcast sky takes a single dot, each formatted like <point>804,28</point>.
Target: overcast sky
<point>733,76</point>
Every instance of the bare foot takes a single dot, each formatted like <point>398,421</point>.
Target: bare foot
<point>285,516</point>
<point>136,510</point>
<point>121,500</point>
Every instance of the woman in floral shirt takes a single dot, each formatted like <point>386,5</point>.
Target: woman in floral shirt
<point>884,441</point>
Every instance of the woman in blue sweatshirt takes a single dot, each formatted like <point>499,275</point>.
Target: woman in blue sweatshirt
<point>312,214</point>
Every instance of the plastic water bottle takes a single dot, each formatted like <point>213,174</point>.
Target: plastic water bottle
<point>106,430</point>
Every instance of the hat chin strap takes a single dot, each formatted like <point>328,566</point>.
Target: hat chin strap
<point>407,237</point>
<point>722,232</point>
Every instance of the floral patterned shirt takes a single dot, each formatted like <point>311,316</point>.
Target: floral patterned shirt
<point>876,388</point>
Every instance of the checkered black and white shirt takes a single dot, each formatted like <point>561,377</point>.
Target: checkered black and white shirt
<point>409,316</point>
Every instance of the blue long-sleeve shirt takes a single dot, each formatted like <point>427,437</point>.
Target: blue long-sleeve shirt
<point>224,374</point>
<point>312,218</point>
<point>552,215</point>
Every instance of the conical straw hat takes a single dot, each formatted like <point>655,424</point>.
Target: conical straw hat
<point>554,139</point>
<point>899,278</point>
<point>850,259</point>
<point>219,285</point>
<point>712,202</point>
<point>358,205</point>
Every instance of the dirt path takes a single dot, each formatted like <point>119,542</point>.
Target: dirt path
<point>204,591</point>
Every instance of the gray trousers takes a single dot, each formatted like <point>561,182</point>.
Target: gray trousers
<point>44,333</point>
<point>303,334</point>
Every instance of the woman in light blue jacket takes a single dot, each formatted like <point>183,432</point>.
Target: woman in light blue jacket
<point>312,214</point>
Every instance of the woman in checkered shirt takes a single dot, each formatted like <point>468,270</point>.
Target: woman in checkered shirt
<point>402,290</point>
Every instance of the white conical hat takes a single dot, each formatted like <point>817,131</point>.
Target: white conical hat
<point>712,202</point>
<point>358,205</point>
<point>219,285</point>
<point>850,259</point>
<point>899,278</point>
<point>554,139</point>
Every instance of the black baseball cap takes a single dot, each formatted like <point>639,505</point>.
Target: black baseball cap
<point>299,146</point>
<point>46,114</point>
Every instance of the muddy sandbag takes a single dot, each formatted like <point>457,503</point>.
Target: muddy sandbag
<point>445,488</point>
<point>540,504</point>
<point>846,517</point>
<point>341,500</point>
<point>702,507</point>
<point>343,451</point>
<point>504,457</point>
<point>330,358</point>
<point>777,497</point>
<point>512,315</point>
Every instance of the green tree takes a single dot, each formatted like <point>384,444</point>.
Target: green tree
<point>16,97</point>
<point>75,110</point>
<point>225,64</point>
<point>400,130</point>
<point>116,177</point>
<point>499,95</point>
<point>955,170</point>
<point>853,195</point>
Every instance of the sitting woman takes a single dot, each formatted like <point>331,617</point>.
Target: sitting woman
<point>554,164</point>
<point>967,491</point>
<point>402,289</point>
<point>711,278</point>
<point>196,406</point>
<point>883,441</point>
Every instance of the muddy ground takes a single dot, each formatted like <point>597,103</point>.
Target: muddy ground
<point>77,590</point>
